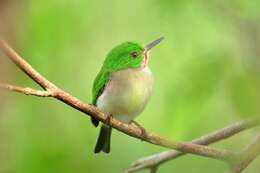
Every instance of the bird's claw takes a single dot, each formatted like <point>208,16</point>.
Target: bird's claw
<point>143,131</point>
<point>108,119</point>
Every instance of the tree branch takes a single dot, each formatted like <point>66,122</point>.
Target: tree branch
<point>249,153</point>
<point>27,90</point>
<point>91,110</point>
<point>24,66</point>
<point>157,159</point>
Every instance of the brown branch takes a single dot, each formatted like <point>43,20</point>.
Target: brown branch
<point>24,66</point>
<point>27,90</point>
<point>91,110</point>
<point>157,159</point>
<point>249,153</point>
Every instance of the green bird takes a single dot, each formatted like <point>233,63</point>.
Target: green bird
<point>123,86</point>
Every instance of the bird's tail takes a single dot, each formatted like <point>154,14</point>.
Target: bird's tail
<point>103,142</point>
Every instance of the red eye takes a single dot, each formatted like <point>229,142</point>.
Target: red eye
<point>134,54</point>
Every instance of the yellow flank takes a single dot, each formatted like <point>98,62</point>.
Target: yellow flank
<point>127,93</point>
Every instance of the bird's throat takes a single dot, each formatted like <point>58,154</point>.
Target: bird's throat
<point>146,58</point>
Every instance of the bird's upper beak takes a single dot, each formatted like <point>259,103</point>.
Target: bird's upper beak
<point>154,43</point>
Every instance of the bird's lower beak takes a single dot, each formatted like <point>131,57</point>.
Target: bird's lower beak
<point>154,43</point>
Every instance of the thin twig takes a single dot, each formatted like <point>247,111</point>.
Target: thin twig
<point>25,67</point>
<point>250,152</point>
<point>157,159</point>
<point>27,90</point>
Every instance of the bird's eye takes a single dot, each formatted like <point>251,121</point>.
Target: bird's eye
<point>134,54</point>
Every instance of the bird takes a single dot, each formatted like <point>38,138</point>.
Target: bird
<point>123,87</point>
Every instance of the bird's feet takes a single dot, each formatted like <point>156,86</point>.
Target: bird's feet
<point>143,131</point>
<point>108,119</point>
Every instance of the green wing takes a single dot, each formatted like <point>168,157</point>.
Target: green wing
<point>100,83</point>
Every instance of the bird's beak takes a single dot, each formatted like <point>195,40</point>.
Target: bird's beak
<point>154,43</point>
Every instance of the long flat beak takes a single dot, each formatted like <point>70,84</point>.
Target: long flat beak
<point>154,43</point>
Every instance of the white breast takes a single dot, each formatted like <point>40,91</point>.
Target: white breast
<point>127,93</point>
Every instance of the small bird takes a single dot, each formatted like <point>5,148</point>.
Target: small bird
<point>123,86</point>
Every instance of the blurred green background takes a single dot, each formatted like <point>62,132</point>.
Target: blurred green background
<point>206,72</point>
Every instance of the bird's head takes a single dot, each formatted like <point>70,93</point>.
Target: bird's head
<point>129,55</point>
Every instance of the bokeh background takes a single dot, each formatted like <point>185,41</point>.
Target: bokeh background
<point>206,72</point>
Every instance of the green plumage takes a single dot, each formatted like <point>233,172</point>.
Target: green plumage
<point>119,58</point>
<point>98,88</point>
<point>127,83</point>
<point>100,84</point>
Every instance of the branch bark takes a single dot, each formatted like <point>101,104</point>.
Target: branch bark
<point>160,158</point>
<point>249,153</point>
<point>91,110</point>
<point>27,90</point>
